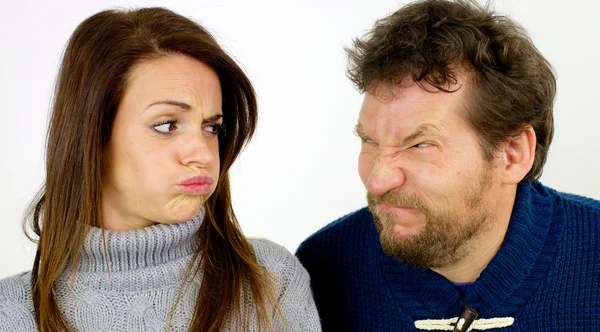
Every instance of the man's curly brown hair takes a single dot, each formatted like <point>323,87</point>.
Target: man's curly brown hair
<point>514,85</point>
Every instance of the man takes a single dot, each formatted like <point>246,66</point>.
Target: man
<point>458,234</point>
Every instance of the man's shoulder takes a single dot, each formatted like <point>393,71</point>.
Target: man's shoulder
<point>581,202</point>
<point>576,206</point>
<point>342,259</point>
<point>343,240</point>
<point>16,310</point>
<point>582,219</point>
<point>346,228</point>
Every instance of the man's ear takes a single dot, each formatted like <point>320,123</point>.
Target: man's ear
<point>518,155</point>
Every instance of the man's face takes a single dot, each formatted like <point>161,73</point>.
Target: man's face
<point>429,188</point>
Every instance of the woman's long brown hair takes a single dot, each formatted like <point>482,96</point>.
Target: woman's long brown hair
<point>90,84</point>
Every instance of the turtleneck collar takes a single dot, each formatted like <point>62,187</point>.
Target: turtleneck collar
<point>139,249</point>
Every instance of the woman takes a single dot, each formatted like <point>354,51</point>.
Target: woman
<point>135,224</point>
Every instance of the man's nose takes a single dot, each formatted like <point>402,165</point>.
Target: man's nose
<point>385,176</point>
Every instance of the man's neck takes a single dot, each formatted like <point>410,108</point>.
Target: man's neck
<point>484,247</point>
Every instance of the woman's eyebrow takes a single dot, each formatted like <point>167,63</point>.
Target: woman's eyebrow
<point>181,105</point>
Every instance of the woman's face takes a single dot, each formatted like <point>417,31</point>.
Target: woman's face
<point>162,159</point>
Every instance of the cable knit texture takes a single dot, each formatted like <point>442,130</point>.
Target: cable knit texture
<point>545,277</point>
<point>146,268</point>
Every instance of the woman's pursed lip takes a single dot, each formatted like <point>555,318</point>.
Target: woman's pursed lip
<point>197,180</point>
<point>196,185</point>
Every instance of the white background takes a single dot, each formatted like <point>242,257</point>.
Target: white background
<point>299,173</point>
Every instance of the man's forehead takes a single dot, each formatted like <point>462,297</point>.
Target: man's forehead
<point>399,115</point>
<point>407,108</point>
<point>428,127</point>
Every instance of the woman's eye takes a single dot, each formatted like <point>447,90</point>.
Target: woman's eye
<point>213,128</point>
<point>166,127</point>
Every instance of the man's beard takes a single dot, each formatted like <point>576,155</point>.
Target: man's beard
<point>441,241</point>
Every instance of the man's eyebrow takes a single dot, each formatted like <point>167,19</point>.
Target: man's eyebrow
<point>358,130</point>
<point>423,129</point>
<point>181,105</point>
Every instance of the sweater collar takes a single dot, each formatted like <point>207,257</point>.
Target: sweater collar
<point>534,230</point>
<point>138,249</point>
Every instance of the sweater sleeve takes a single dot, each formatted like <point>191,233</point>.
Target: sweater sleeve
<point>296,302</point>
<point>16,309</point>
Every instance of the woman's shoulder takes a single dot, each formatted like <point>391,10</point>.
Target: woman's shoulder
<point>15,289</point>
<point>289,273</point>
<point>275,258</point>
<point>296,302</point>
<point>16,308</point>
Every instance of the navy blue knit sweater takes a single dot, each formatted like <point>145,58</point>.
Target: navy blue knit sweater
<point>546,275</point>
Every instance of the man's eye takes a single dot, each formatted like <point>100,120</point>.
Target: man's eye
<point>366,140</point>
<point>368,144</point>
<point>423,145</point>
<point>165,127</point>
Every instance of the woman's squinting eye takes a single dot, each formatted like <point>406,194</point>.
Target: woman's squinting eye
<point>213,128</point>
<point>165,127</point>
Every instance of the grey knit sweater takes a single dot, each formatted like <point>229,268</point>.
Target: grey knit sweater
<point>146,267</point>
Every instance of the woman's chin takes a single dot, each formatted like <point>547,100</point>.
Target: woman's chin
<point>184,210</point>
<point>184,216</point>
